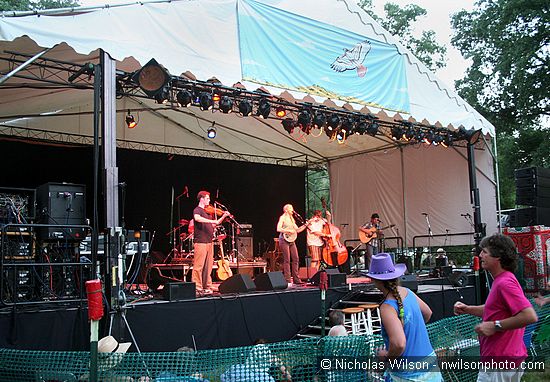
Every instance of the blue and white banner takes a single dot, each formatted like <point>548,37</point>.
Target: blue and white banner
<point>293,52</point>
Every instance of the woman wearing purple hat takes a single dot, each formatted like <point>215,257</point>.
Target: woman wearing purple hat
<point>404,332</point>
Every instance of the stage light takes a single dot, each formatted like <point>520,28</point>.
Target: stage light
<point>447,140</point>
<point>130,121</point>
<point>341,136</point>
<point>211,132</point>
<point>304,121</point>
<point>264,108</point>
<point>205,101</point>
<point>429,137</point>
<point>151,78</point>
<point>288,125</point>
<point>319,120</point>
<point>184,98</point>
<point>396,133</point>
<point>409,134</point>
<point>280,112</point>
<point>419,136</point>
<point>361,127</point>
<point>330,133</point>
<point>333,122</point>
<point>226,104</point>
<point>216,97</point>
<point>347,127</point>
<point>472,136</point>
<point>245,108</point>
<point>162,96</point>
<point>372,129</point>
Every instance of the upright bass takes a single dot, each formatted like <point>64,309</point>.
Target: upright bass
<point>334,252</point>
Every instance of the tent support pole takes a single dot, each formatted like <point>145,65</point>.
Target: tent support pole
<point>23,65</point>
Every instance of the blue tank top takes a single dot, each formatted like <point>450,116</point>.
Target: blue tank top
<point>418,342</point>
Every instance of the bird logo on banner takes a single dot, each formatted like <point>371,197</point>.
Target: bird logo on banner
<point>353,59</point>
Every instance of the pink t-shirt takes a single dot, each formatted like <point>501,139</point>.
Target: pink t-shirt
<point>506,299</point>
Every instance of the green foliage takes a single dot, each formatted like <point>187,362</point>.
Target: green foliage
<point>31,5</point>
<point>508,43</point>
<point>399,22</point>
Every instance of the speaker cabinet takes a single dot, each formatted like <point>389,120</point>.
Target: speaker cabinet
<point>245,246</point>
<point>409,281</point>
<point>237,284</point>
<point>58,204</point>
<point>179,291</point>
<point>524,217</point>
<point>156,279</point>
<point>458,279</point>
<point>335,278</point>
<point>270,281</point>
<point>306,273</point>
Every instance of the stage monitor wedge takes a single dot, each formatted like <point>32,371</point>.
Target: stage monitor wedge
<point>239,283</point>
<point>270,281</point>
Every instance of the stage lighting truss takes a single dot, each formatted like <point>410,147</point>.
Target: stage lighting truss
<point>310,119</point>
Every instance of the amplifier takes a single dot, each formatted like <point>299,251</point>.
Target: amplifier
<point>17,205</point>
<point>246,230</point>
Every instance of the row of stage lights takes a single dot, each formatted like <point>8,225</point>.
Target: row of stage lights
<point>337,124</point>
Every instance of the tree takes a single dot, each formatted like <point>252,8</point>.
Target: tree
<point>399,22</point>
<point>31,5</point>
<point>508,43</point>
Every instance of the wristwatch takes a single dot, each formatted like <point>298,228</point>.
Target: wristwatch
<point>498,326</point>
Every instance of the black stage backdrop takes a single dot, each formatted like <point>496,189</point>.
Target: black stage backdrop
<point>254,193</point>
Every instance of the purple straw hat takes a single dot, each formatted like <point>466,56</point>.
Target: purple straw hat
<point>382,268</point>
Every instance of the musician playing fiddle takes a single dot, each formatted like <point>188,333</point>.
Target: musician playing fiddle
<point>288,229</point>
<point>203,260</point>
<point>315,236</point>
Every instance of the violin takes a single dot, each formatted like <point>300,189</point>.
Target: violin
<point>215,212</point>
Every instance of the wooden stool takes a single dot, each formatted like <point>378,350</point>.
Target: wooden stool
<point>374,322</point>
<point>356,320</point>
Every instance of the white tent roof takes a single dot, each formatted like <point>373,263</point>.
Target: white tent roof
<point>291,48</point>
<point>208,39</point>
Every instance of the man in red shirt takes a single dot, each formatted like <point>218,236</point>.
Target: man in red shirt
<point>505,314</point>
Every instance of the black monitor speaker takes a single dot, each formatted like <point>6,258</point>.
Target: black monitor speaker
<point>271,281</point>
<point>239,283</point>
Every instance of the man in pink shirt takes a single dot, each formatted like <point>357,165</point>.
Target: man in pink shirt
<point>505,314</point>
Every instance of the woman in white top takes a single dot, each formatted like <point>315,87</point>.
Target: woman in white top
<point>288,231</point>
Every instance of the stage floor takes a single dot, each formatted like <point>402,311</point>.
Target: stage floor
<point>216,321</point>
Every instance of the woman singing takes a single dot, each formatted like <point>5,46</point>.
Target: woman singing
<point>288,231</point>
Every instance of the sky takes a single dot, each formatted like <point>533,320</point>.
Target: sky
<point>438,18</point>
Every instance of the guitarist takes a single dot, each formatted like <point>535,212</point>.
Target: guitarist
<point>372,228</point>
<point>288,228</point>
<point>203,246</point>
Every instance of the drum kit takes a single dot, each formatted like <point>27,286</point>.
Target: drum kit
<point>182,243</point>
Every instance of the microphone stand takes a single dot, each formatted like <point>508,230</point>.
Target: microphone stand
<point>430,234</point>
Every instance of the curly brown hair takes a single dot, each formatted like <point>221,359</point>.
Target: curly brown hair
<point>503,248</point>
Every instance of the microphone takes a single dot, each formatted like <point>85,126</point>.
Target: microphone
<point>185,191</point>
<point>122,184</point>
<point>221,205</point>
<point>380,221</point>
<point>424,213</point>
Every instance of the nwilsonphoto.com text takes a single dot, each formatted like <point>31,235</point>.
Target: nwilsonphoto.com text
<point>426,364</point>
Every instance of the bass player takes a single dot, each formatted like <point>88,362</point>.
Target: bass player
<point>315,236</point>
<point>288,231</point>
<point>372,230</point>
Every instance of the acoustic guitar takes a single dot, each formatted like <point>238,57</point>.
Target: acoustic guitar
<point>224,271</point>
<point>372,234</point>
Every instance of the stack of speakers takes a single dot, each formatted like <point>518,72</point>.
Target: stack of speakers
<point>533,191</point>
<point>245,241</point>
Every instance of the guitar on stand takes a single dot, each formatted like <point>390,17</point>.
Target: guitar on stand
<point>224,271</point>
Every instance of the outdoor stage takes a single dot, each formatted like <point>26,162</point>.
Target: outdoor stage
<point>219,321</point>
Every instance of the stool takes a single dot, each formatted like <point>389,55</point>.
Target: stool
<point>374,322</point>
<point>356,320</point>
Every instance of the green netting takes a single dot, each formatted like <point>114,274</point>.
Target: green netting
<point>296,360</point>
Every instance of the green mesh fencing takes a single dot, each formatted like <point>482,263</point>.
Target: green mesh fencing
<point>296,360</point>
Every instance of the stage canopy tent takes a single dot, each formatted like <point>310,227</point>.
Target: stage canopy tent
<point>325,52</point>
